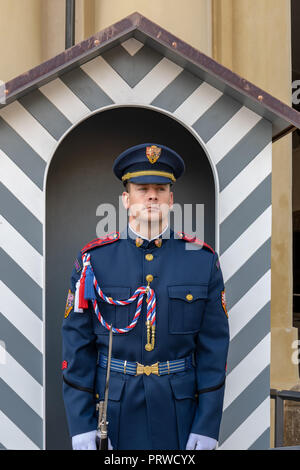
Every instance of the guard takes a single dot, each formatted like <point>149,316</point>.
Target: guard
<point>167,307</point>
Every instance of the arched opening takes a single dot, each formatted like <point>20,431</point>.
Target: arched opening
<point>79,179</point>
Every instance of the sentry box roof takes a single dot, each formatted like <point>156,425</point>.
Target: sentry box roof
<point>284,118</point>
<point>223,127</point>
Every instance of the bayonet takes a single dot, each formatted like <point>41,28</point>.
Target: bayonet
<point>102,435</point>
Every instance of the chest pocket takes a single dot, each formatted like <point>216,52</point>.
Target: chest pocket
<point>115,315</point>
<point>186,307</point>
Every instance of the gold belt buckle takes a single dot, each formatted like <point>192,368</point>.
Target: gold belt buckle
<point>141,369</point>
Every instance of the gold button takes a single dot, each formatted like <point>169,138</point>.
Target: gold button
<point>189,297</point>
<point>149,257</point>
<point>149,278</point>
<point>97,396</point>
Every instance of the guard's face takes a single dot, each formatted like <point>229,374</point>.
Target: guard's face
<point>148,202</point>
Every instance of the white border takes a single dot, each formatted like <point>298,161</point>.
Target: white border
<point>84,118</point>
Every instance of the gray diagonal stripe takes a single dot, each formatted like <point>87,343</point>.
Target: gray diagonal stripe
<point>263,442</point>
<point>249,273</point>
<point>245,214</point>
<point>249,337</point>
<point>216,117</point>
<point>177,92</point>
<point>21,284</point>
<point>21,218</point>
<point>244,152</point>
<point>21,349</point>
<point>22,154</point>
<point>21,414</point>
<point>132,68</point>
<point>245,404</point>
<point>86,89</point>
<point>45,113</point>
<point>2,447</point>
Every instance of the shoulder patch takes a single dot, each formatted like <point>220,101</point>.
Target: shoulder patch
<point>224,305</point>
<point>112,237</point>
<point>188,238</point>
<point>77,265</point>
<point>69,303</point>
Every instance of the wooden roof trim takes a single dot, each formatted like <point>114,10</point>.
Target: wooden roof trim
<point>92,46</point>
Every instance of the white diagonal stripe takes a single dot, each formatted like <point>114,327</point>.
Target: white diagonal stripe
<point>197,103</point>
<point>231,133</point>
<point>120,92</point>
<point>250,430</point>
<point>246,245</point>
<point>19,380</point>
<point>21,251</point>
<point>21,186</point>
<point>246,371</point>
<point>250,304</point>
<point>29,129</point>
<point>65,100</point>
<point>132,46</point>
<point>156,81</point>
<point>245,182</point>
<point>19,315</point>
<point>12,437</point>
<point>108,80</point>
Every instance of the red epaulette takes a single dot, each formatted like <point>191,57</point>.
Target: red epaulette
<point>195,240</point>
<point>112,237</point>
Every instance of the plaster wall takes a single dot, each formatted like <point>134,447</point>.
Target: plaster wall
<point>253,38</point>
<point>20,36</point>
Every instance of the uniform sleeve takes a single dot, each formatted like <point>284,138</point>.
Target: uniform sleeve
<point>79,363</point>
<point>211,357</point>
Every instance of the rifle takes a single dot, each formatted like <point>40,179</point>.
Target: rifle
<point>102,437</point>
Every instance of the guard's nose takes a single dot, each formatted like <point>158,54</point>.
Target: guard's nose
<point>152,194</point>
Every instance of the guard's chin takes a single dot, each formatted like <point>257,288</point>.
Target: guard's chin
<point>154,217</point>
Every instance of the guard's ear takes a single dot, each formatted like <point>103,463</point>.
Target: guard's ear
<point>125,199</point>
<point>171,202</point>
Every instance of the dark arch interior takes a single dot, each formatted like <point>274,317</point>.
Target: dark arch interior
<point>80,178</point>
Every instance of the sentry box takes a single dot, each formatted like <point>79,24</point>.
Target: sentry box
<point>61,126</point>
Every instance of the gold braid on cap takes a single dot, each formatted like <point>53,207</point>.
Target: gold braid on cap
<point>148,172</point>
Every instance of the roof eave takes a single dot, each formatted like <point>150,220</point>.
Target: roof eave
<point>284,118</point>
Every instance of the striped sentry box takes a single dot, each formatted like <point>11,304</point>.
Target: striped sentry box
<point>238,144</point>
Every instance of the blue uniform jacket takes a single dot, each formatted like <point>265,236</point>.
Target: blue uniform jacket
<point>150,412</point>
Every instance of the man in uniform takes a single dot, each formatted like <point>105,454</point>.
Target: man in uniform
<point>166,304</point>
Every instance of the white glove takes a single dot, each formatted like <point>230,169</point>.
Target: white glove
<point>199,442</point>
<point>87,441</point>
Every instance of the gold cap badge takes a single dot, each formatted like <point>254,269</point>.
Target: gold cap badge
<point>153,153</point>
